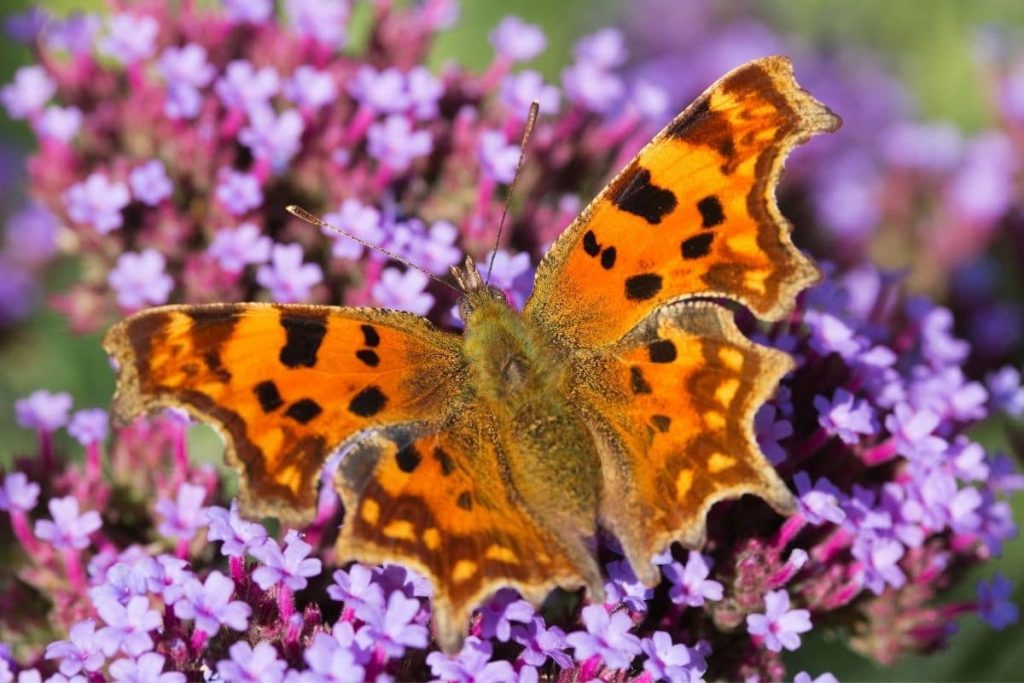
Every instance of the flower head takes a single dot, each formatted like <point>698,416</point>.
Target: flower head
<point>779,626</point>
<point>209,603</point>
<point>286,276</point>
<point>140,279</point>
<point>607,636</point>
<point>290,567</point>
<point>43,410</point>
<point>68,529</point>
<point>97,202</point>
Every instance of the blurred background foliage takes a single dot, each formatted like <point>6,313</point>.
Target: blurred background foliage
<point>928,46</point>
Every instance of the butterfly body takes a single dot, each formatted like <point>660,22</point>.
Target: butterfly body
<point>621,397</point>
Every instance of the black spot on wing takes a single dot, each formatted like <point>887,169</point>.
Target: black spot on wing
<point>661,351</point>
<point>303,336</point>
<point>304,410</point>
<point>268,396</point>
<point>635,193</point>
<point>465,500</point>
<point>608,258</point>
<point>590,244</point>
<point>368,402</point>
<point>370,336</point>
<point>711,212</point>
<point>642,287</point>
<point>216,367</point>
<point>638,382</point>
<point>661,422</point>
<point>369,357</point>
<point>698,246</point>
<point>445,460</point>
<point>408,458</point>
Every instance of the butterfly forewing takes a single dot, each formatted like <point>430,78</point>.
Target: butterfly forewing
<point>694,214</point>
<point>286,385</point>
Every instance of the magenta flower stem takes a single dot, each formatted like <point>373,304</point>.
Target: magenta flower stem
<point>181,549</point>
<point>881,453</point>
<point>23,532</point>
<point>198,640</point>
<point>236,565</point>
<point>359,125</point>
<point>47,457</point>
<point>285,602</point>
<point>788,531</point>
<point>180,446</point>
<point>810,445</point>
<point>93,461</point>
<point>589,668</point>
<point>73,568</point>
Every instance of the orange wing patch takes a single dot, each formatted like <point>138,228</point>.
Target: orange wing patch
<point>679,395</point>
<point>285,385</point>
<point>440,503</point>
<point>694,214</point>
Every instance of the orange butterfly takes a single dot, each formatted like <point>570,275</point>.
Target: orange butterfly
<point>619,396</point>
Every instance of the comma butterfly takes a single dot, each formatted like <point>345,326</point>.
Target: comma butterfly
<point>621,396</point>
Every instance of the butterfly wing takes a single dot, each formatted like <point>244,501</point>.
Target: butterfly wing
<point>439,500</point>
<point>285,385</point>
<point>694,214</point>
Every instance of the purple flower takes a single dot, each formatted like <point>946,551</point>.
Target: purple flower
<point>28,94</point>
<point>498,158</point>
<point>472,665</point>
<point>97,202</point>
<point>382,91</point>
<point>210,605</point>
<point>149,182</point>
<point>291,567</point>
<point>18,493</point>
<point>275,138</point>
<point>519,90</point>
<point>128,626</point>
<point>239,192</point>
<point>994,603</point>
<point>844,416</point>
<point>668,661</point>
<point>323,20</point>
<point>1005,391</point>
<point>592,87</point>
<point>130,37</point>
<point>394,629</point>
<point>248,664</point>
<point>310,87</point>
<point>287,277</point>
<point>499,613</point>
<point>43,410</point>
<point>243,88</point>
<point>513,274</point>
<point>770,431</point>
<point>395,144</point>
<point>186,70</point>
<point>32,234</point>
<point>81,651</point>
<point>691,585</point>
<point>821,503</point>
<point>358,591</point>
<point>238,535</point>
<point>880,557</point>
<point>435,249</point>
<point>605,48</point>
<point>124,580</point>
<point>185,515</point>
<point>607,636</point>
<point>59,123</point>
<point>168,577</point>
<point>516,40</point>
<point>361,221</point>
<point>779,626</point>
<point>329,662</point>
<point>424,90</point>
<point>235,248</point>
<point>149,668</point>
<point>248,11</point>
<point>804,677</point>
<point>541,643</point>
<point>139,279</point>
<point>403,291</point>
<point>68,529</point>
<point>624,587</point>
<point>74,34</point>
<point>650,101</point>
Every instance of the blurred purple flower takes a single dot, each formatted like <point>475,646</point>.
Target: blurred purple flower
<point>395,144</point>
<point>819,503</point>
<point>18,493</point>
<point>607,636</point>
<point>235,248</point>
<point>291,567</point>
<point>624,587</point>
<point>32,234</point>
<point>404,291</point>
<point>238,535</point>
<point>185,515</point>
<point>128,626</point>
<point>81,651</point>
<point>435,249</point>
<point>329,662</point>
<point>186,70</point>
<point>382,91</point>
<point>1005,391</point>
<point>43,410</point>
<point>323,20</point>
<point>140,279</point>
<point>150,183</point>
<point>357,589</point>
<point>287,277</point>
<point>541,643</point>
<point>59,123</point>
<point>124,580</point>
<point>498,158</point>
<point>168,578</point>
<point>394,629</point>
<point>845,416</point>
<point>520,90</point>
<point>499,613</point>
<point>130,37</point>
<point>360,220</point>
<point>770,431</point>
<point>516,40</point>
<point>994,603</point>
<point>310,87</point>
<point>28,93</point>
<point>248,11</point>
<point>259,664</point>
<point>424,90</point>
<point>74,34</point>
<point>668,661</point>
<point>210,605</point>
<point>605,48</point>
<point>592,87</point>
<point>244,88</point>
<point>149,668</point>
<point>804,677</point>
<point>690,584</point>
<point>779,626</point>
<point>97,202</point>
<point>272,137</point>
<point>472,665</point>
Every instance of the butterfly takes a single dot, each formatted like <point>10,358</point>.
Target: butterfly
<point>622,395</point>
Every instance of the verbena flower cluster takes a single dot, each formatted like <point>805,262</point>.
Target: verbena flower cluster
<point>172,136</point>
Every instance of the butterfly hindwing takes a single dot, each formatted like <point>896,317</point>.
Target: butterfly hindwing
<point>285,385</point>
<point>694,214</point>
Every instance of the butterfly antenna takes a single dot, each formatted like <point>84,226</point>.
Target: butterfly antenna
<point>306,216</point>
<point>531,121</point>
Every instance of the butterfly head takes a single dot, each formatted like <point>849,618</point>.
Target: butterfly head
<point>478,296</point>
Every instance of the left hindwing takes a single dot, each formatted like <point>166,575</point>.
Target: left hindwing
<point>694,214</point>
<point>285,384</point>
